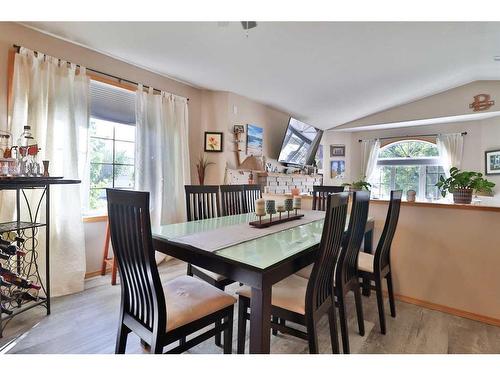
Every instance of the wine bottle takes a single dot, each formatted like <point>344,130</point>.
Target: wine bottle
<point>18,280</point>
<point>11,250</point>
<point>6,311</point>
<point>4,283</point>
<point>26,296</point>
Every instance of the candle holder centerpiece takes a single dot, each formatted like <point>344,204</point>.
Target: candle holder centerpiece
<point>270,207</point>
<point>260,209</point>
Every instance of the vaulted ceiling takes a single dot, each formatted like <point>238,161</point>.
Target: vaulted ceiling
<point>324,73</point>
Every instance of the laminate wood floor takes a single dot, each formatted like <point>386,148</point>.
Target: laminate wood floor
<point>86,322</point>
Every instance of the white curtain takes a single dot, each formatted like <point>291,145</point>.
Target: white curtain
<point>450,147</point>
<point>162,154</point>
<point>52,98</point>
<point>369,155</point>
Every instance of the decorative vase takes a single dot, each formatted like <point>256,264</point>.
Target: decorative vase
<point>410,195</point>
<point>462,196</point>
<point>45,168</point>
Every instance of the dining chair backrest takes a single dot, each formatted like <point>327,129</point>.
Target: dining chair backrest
<point>202,202</point>
<point>320,286</point>
<point>252,193</point>
<point>130,230</point>
<point>347,266</point>
<point>320,193</point>
<point>382,253</point>
<point>233,200</point>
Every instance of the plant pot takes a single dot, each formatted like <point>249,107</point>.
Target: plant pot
<point>462,196</point>
<point>351,189</point>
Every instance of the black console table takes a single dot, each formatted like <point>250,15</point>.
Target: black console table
<point>12,297</point>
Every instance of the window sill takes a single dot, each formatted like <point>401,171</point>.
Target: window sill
<point>95,218</point>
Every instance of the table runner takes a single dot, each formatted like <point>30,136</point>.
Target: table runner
<point>220,238</point>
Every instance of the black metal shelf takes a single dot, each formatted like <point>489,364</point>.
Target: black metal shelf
<point>26,266</point>
<point>25,306</point>
<point>14,226</point>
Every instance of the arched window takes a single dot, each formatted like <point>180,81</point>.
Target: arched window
<point>407,165</point>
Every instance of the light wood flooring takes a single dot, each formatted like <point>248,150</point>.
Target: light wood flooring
<point>86,322</point>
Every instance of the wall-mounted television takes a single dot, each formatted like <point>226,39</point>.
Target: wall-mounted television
<point>300,143</point>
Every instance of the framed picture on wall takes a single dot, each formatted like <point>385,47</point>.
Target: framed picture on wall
<point>337,169</point>
<point>255,139</point>
<point>337,150</point>
<point>213,141</point>
<point>492,162</point>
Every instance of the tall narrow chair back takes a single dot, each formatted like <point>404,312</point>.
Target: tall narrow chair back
<point>233,199</point>
<point>382,253</point>
<point>320,194</point>
<point>252,193</point>
<point>130,228</point>
<point>202,202</point>
<point>320,286</point>
<point>347,268</point>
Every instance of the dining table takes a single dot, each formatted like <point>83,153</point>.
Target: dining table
<point>256,257</point>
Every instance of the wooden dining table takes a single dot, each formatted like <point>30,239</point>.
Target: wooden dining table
<point>258,263</point>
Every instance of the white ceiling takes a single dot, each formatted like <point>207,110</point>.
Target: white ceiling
<point>324,73</point>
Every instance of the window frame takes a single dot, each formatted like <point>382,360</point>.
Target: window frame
<point>93,215</point>
<point>421,162</point>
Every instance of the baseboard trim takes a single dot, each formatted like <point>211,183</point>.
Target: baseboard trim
<point>449,310</point>
<point>88,275</point>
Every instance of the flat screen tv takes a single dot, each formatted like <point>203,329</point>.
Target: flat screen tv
<point>300,143</point>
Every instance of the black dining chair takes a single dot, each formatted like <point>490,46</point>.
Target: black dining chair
<point>320,197</point>
<point>378,266</point>
<point>202,202</point>
<point>233,200</point>
<point>305,301</point>
<point>346,272</point>
<point>320,193</point>
<point>160,314</point>
<point>252,193</point>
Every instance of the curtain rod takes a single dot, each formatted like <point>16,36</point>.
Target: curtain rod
<point>104,74</point>
<point>411,136</point>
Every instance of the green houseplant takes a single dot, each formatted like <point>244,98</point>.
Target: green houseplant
<point>462,184</point>
<point>358,185</point>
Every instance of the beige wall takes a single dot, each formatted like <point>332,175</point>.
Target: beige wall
<point>339,138</point>
<point>456,266</point>
<point>221,111</point>
<point>448,103</point>
<point>208,110</point>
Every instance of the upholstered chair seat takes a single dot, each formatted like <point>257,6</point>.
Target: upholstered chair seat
<point>305,272</point>
<point>365,262</point>
<point>211,274</point>
<point>190,299</point>
<point>289,294</point>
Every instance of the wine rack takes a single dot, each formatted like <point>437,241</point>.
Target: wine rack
<point>23,267</point>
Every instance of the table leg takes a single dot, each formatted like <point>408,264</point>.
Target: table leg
<point>367,248</point>
<point>260,320</point>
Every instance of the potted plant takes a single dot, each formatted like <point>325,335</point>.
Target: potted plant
<point>462,184</point>
<point>358,185</point>
<point>201,167</point>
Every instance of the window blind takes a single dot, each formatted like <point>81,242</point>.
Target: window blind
<point>111,103</point>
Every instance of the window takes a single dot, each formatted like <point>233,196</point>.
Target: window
<point>111,143</point>
<point>407,165</point>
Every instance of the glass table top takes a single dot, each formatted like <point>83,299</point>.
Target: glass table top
<point>260,252</point>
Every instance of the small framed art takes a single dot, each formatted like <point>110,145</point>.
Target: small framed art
<point>492,162</point>
<point>213,141</point>
<point>337,150</point>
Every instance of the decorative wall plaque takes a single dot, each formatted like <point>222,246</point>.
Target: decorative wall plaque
<point>481,102</point>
